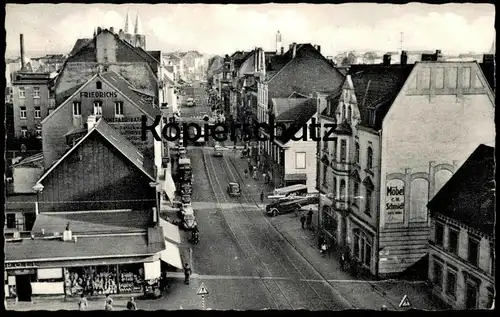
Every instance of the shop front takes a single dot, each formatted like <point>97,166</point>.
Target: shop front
<point>26,280</point>
<point>362,247</point>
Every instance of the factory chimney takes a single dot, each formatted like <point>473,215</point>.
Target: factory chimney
<point>21,39</point>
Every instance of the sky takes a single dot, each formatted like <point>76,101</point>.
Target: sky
<point>224,29</point>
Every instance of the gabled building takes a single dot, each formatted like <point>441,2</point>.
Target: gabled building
<point>106,95</point>
<point>401,132</point>
<point>462,243</point>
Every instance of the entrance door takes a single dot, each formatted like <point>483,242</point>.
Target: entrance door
<point>29,220</point>
<point>23,287</point>
<point>471,296</point>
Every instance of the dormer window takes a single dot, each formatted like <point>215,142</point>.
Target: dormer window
<point>98,85</point>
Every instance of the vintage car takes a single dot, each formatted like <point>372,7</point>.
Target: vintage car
<point>188,218</point>
<point>290,204</point>
<point>218,151</point>
<point>186,199</point>
<point>233,189</point>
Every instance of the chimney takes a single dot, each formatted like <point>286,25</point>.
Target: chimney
<point>404,58</point>
<point>112,29</point>
<point>387,59</point>
<point>121,35</point>
<point>21,39</point>
<point>294,52</point>
<point>318,47</point>
<point>99,30</point>
<point>488,58</point>
<point>67,234</point>
<point>439,55</point>
<point>290,47</point>
<point>282,50</point>
<point>91,122</point>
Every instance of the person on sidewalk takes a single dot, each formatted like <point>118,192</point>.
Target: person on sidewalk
<point>82,303</point>
<point>254,174</point>
<point>309,218</point>
<point>303,221</point>
<point>187,273</point>
<point>323,250</point>
<point>246,173</point>
<point>108,303</point>
<point>262,197</point>
<point>131,304</point>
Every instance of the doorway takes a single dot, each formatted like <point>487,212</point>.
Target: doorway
<point>29,220</point>
<point>23,287</point>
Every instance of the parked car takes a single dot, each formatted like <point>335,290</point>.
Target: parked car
<point>289,204</point>
<point>233,189</point>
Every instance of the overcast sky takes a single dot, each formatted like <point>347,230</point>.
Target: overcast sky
<point>221,29</point>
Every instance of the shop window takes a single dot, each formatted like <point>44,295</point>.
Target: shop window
<point>131,278</point>
<point>368,254</point>
<point>22,92</point>
<point>77,108</point>
<point>11,221</point>
<point>453,241</point>
<point>23,113</point>
<point>329,222</point>
<point>437,279</point>
<point>473,254</point>
<point>36,92</point>
<point>439,234</point>
<point>451,283</point>
<point>38,113</point>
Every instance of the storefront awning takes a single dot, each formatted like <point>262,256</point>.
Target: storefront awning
<point>170,231</point>
<point>169,186</point>
<point>171,255</point>
<point>90,262</point>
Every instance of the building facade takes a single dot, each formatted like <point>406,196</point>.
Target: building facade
<point>388,179</point>
<point>462,243</point>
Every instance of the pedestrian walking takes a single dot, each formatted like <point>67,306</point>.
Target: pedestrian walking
<point>82,303</point>
<point>108,303</point>
<point>131,304</point>
<point>246,173</point>
<point>187,273</point>
<point>323,249</point>
<point>309,218</point>
<point>262,197</point>
<point>254,174</point>
<point>264,176</point>
<point>303,221</point>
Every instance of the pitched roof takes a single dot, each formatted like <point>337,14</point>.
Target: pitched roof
<point>376,87</point>
<point>155,54</point>
<point>92,222</point>
<point>127,90</point>
<point>468,197</point>
<point>119,142</point>
<point>300,114</point>
<point>489,72</point>
<point>79,44</point>
<point>109,246</point>
<point>344,128</point>
<point>282,107</point>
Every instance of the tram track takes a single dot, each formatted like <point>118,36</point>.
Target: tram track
<point>248,249</point>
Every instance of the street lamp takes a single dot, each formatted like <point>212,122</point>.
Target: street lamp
<point>38,188</point>
<point>156,215</point>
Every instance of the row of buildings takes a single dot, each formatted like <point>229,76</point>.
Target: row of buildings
<point>96,182</point>
<point>391,135</point>
<point>187,66</point>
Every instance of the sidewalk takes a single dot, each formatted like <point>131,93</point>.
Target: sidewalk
<point>362,293</point>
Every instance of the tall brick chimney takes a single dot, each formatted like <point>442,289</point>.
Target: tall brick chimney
<point>21,39</point>
<point>387,60</point>
<point>404,58</point>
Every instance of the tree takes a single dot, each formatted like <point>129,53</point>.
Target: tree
<point>370,57</point>
<point>349,59</point>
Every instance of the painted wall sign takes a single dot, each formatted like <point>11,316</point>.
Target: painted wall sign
<point>99,94</point>
<point>395,202</point>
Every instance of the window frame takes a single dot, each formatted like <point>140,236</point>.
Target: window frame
<point>119,106</point>
<point>94,103</point>
<point>296,160</point>
<point>22,92</point>
<point>36,92</point>
<point>38,112</point>
<point>478,245</point>
<point>24,131</point>
<point>357,152</point>
<point>77,105</point>
<point>368,201</point>
<point>449,248</point>
<point>23,113</point>
<point>343,150</point>
<point>369,158</point>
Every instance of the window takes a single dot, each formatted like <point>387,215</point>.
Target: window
<point>22,92</point>
<point>334,189</point>
<point>325,146</point>
<point>329,221</point>
<point>362,248</point>
<point>342,190</point>
<point>118,108</point>
<point>38,113</point>
<point>24,132</point>
<point>356,191</point>
<point>438,274</point>
<point>471,293</point>
<point>368,199</point>
<point>300,160</point>
<point>97,108</point>
<point>343,150</point>
<point>466,77</point>
<point>451,283</point>
<point>334,152</point>
<point>23,113</point>
<point>349,113</point>
<point>368,253</point>
<point>11,221</point>
<point>343,113</point>
<point>38,131</point>
<point>98,85</point>
<point>473,254</point>
<point>453,241</point>
<point>325,173</point>
<point>369,159</point>
<point>356,153</point>
<point>439,234</point>
<point>36,92</point>
<point>77,108</point>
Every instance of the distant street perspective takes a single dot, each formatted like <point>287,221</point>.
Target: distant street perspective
<point>374,190</point>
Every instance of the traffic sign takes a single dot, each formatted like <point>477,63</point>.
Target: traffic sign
<point>405,302</point>
<point>202,290</point>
